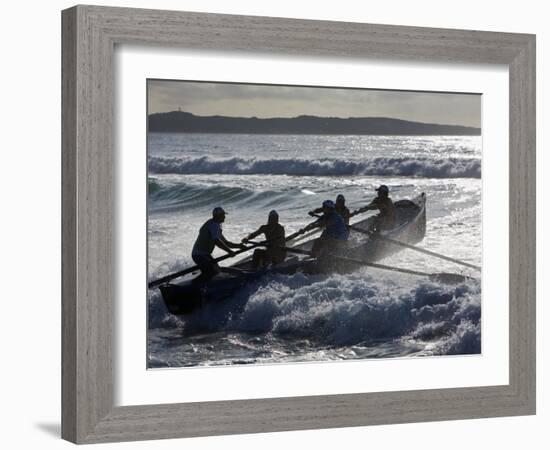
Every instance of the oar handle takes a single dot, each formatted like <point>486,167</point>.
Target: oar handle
<point>300,231</point>
<point>183,272</point>
<point>362,210</point>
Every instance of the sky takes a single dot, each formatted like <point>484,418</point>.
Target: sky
<point>264,101</point>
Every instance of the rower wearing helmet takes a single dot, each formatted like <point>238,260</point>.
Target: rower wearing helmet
<point>335,230</point>
<point>340,207</point>
<point>210,236</point>
<point>385,220</point>
<point>274,252</point>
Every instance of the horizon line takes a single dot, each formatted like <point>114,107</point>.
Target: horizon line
<point>318,117</point>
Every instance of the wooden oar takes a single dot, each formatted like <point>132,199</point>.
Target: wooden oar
<point>450,278</point>
<point>305,236</point>
<point>183,272</point>
<point>413,247</point>
<point>301,231</point>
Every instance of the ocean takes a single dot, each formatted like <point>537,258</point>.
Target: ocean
<point>369,313</point>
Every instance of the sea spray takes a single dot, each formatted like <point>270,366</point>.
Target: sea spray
<point>347,310</point>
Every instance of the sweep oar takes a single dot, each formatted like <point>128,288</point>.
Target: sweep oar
<point>413,247</point>
<point>183,272</point>
<point>441,277</point>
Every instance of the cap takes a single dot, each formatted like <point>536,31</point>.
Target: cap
<point>328,204</point>
<point>383,188</point>
<point>340,197</point>
<point>273,213</point>
<point>218,210</point>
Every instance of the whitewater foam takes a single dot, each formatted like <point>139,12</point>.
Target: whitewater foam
<point>381,166</point>
<point>347,310</point>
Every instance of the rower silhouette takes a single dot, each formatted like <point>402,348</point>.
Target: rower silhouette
<point>274,232</point>
<point>211,236</point>
<point>385,219</point>
<point>335,231</point>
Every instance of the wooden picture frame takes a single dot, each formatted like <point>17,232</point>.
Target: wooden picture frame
<point>90,34</point>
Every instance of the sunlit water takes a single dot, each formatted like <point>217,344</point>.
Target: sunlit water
<point>366,314</point>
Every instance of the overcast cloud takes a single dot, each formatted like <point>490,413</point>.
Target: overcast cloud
<point>242,100</point>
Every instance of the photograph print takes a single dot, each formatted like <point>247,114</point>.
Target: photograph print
<point>292,224</point>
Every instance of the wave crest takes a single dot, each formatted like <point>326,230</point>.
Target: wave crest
<point>173,196</point>
<point>381,166</point>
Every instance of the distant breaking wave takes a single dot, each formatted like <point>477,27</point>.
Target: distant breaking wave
<point>405,166</point>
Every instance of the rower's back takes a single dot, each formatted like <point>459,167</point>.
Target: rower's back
<point>344,212</point>
<point>335,227</point>
<point>209,232</point>
<point>275,235</point>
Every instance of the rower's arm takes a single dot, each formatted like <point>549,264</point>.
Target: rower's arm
<point>369,207</point>
<point>221,243</point>
<point>315,211</point>
<point>253,234</point>
<point>318,223</point>
<point>229,244</point>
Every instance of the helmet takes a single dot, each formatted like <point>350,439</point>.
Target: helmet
<point>383,188</point>
<point>328,204</point>
<point>340,198</point>
<point>273,213</point>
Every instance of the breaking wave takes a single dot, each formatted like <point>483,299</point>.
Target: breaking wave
<point>382,166</point>
<point>346,310</point>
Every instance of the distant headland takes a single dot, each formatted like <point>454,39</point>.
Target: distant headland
<point>184,122</point>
